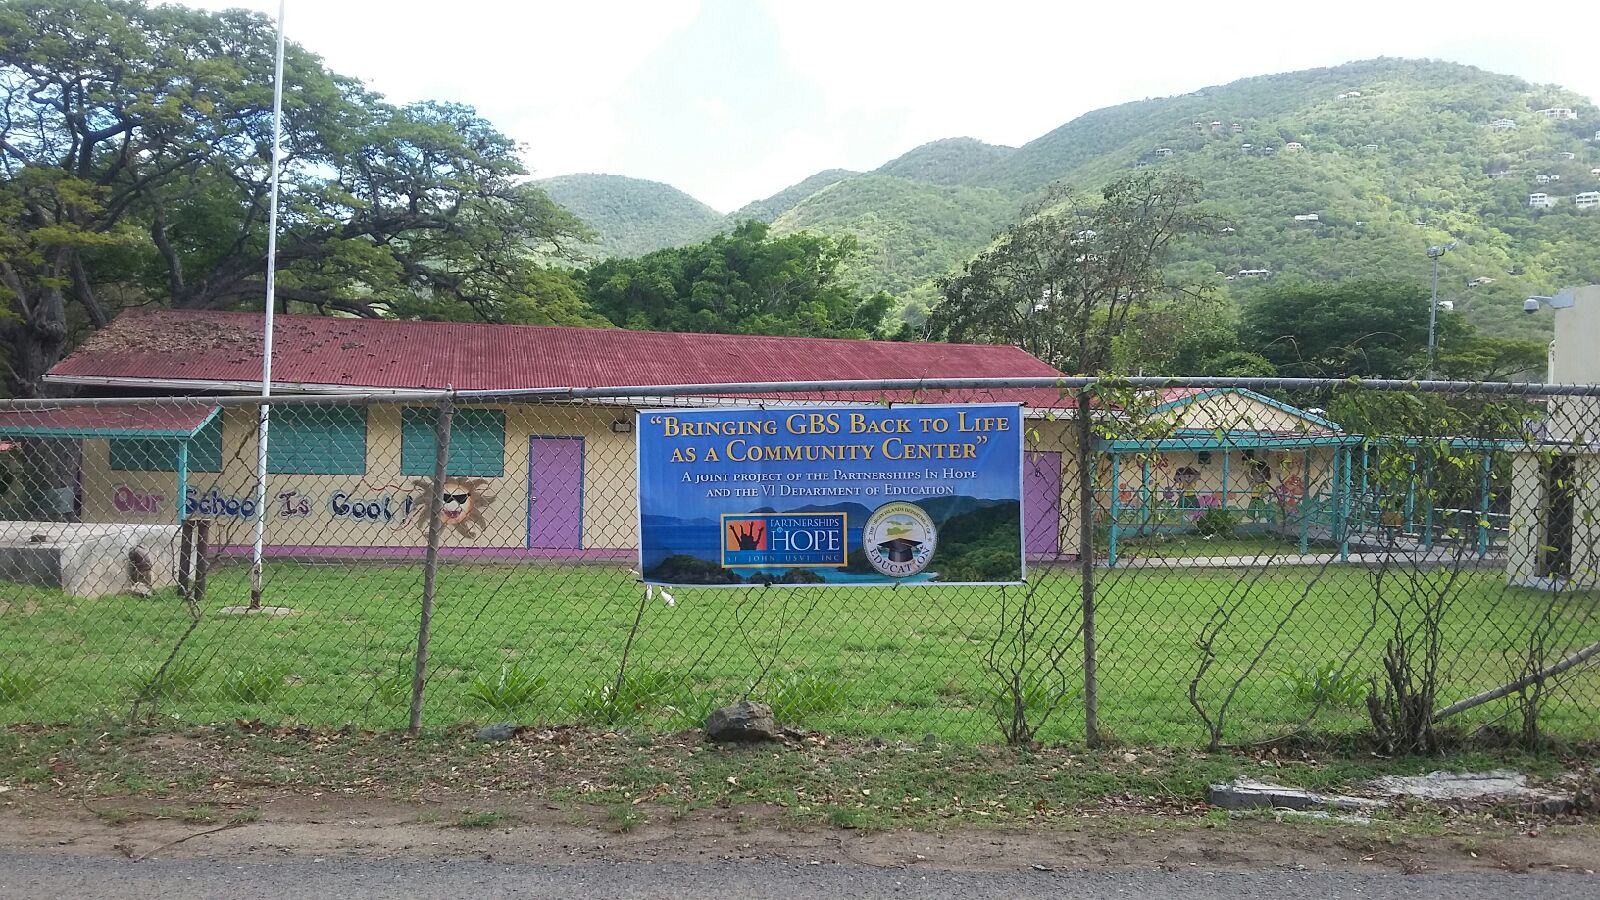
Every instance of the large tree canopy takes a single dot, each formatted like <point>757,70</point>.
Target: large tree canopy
<point>742,283</point>
<point>1063,283</point>
<point>1377,329</point>
<point>135,148</point>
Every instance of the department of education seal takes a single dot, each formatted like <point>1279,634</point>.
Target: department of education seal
<point>899,539</point>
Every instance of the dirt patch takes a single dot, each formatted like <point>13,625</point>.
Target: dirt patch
<point>324,826</point>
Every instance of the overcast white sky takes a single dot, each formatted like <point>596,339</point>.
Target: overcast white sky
<point>732,100</point>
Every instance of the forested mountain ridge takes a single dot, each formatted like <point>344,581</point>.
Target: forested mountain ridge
<point>1389,156</point>
<point>632,216</point>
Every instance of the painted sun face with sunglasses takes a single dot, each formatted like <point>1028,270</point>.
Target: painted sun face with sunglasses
<point>465,501</point>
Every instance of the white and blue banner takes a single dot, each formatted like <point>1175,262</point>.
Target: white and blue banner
<point>831,495</point>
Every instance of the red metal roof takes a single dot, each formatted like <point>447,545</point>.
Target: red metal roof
<point>165,420</point>
<point>319,351</point>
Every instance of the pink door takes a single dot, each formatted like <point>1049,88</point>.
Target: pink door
<point>1041,504</point>
<point>555,493</point>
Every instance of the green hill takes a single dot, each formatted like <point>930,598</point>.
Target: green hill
<point>1394,155</point>
<point>769,209</point>
<point>908,230</point>
<point>948,161</point>
<point>632,216</point>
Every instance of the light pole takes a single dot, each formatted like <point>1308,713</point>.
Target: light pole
<point>1434,253</point>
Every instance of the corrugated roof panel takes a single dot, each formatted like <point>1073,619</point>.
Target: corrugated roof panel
<point>407,355</point>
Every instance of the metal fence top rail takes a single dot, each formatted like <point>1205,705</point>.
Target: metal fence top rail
<point>752,390</point>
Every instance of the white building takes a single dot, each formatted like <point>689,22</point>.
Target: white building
<point>1349,95</point>
<point>1558,112</point>
<point>1294,146</point>
<point>1307,217</point>
<point>1255,273</point>
<point>1541,200</point>
<point>1163,152</point>
<point>1567,154</point>
<point>1554,536</point>
<point>1370,148</point>
<point>1480,281</point>
<point>1587,200</point>
<point>1503,124</point>
<point>1542,178</point>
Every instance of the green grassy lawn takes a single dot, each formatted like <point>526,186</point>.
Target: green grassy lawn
<point>545,640</point>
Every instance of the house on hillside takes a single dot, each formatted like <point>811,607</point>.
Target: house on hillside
<point>1294,147</point>
<point>1370,148</point>
<point>1237,128</point>
<point>1558,112</point>
<point>1568,155</point>
<point>1255,273</point>
<point>1541,200</point>
<point>1308,217</point>
<point>1586,200</point>
<point>1542,178</point>
<point>1349,95</point>
<point>1163,152</point>
<point>1503,124</point>
<point>1480,281</point>
<point>542,476</point>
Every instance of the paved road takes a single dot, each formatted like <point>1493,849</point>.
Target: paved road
<point>73,876</point>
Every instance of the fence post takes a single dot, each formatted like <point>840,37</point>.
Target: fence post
<point>1086,504</point>
<point>430,568</point>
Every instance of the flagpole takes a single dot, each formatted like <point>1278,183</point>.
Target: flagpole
<point>271,303</point>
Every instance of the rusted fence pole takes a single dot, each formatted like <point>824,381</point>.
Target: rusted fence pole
<point>430,567</point>
<point>1086,508</point>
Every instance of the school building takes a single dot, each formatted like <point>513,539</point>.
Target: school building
<point>557,478</point>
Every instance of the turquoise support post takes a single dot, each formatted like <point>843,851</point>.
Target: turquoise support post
<point>1411,496</point>
<point>1144,493</point>
<point>1366,462</point>
<point>1116,505</point>
<point>1483,506</point>
<point>1305,502</point>
<point>1346,478</point>
<point>183,479</point>
<point>1427,521</point>
<point>1224,477</point>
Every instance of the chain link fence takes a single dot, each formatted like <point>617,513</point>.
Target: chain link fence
<point>1212,561</point>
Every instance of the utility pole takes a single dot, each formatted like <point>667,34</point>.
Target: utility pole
<point>1433,308</point>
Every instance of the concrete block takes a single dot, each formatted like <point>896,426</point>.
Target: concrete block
<point>86,560</point>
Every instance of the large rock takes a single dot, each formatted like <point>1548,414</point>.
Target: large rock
<point>742,722</point>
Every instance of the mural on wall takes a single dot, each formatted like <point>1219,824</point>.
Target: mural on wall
<point>465,502</point>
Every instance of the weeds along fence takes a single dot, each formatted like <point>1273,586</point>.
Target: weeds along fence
<point>1208,561</point>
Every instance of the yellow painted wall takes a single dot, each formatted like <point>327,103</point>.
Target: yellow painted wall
<point>301,511</point>
<point>300,506</point>
<point>1529,520</point>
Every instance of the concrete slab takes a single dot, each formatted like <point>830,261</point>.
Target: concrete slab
<point>1499,786</point>
<point>87,560</point>
<point>1245,793</point>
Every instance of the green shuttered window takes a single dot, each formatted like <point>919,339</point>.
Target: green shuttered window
<point>317,440</point>
<point>477,442</point>
<point>205,452</point>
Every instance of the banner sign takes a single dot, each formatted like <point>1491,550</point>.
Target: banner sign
<point>831,495</point>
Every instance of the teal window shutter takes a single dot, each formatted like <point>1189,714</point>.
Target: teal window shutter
<point>205,452</point>
<point>317,440</point>
<point>477,442</point>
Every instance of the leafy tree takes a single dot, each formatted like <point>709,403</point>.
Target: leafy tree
<point>745,282</point>
<point>1187,336</point>
<point>1063,283</point>
<point>1377,329</point>
<point>134,164</point>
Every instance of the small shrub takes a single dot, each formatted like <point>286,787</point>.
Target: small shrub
<point>177,682</point>
<point>396,688</point>
<point>16,687</point>
<point>514,689</point>
<point>799,697</point>
<point>1217,522</point>
<point>639,694</point>
<point>252,684</point>
<point>1327,685</point>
